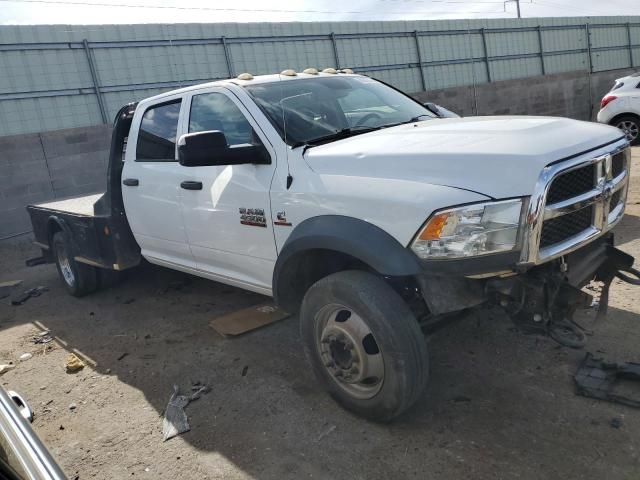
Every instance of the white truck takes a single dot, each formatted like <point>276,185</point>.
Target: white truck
<point>351,203</point>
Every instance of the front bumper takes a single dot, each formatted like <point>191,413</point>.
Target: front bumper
<point>451,290</point>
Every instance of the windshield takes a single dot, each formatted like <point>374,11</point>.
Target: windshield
<point>327,108</point>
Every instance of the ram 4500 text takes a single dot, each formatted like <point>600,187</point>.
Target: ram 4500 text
<point>354,205</point>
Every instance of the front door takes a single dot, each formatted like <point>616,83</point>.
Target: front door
<point>228,220</point>
<point>151,179</point>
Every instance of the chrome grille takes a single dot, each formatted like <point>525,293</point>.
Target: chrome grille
<point>618,164</point>
<point>572,184</point>
<point>560,229</point>
<point>575,201</point>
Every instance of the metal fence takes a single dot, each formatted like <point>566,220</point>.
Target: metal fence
<point>62,77</point>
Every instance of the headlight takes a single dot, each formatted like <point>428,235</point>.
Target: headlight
<point>469,231</point>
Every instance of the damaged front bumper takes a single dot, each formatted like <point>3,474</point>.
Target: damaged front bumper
<point>542,298</point>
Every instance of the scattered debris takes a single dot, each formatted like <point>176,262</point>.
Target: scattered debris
<point>200,387</point>
<point>73,406</point>
<point>4,368</point>
<point>175,419</point>
<point>616,422</point>
<point>73,363</point>
<point>247,319</point>
<point>245,369</point>
<point>597,378</point>
<point>27,294</point>
<point>25,356</point>
<point>7,287</point>
<point>129,301</point>
<point>176,285</point>
<point>32,262</point>
<point>61,427</point>
<point>326,432</point>
<point>122,356</point>
<point>42,337</point>
<point>461,399</point>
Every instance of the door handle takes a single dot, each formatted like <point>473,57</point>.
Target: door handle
<point>131,182</point>
<point>191,185</point>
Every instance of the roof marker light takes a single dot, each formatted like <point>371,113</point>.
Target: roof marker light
<point>310,71</point>
<point>245,76</point>
<point>346,70</point>
<point>288,72</point>
<point>330,70</point>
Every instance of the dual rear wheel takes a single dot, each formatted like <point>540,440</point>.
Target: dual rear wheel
<point>78,278</point>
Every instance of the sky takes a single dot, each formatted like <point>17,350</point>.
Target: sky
<point>79,12</point>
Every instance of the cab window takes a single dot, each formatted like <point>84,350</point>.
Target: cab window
<point>216,111</point>
<point>157,133</point>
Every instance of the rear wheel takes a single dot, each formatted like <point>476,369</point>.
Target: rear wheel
<point>364,344</point>
<point>630,126</point>
<point>78,278</point>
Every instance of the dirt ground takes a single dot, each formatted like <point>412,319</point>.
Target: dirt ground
<point>500,404</point>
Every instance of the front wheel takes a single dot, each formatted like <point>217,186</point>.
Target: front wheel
<point>364,344</point>
<point>630,126</point>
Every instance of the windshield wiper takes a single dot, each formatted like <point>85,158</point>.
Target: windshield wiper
<point>411,120</point>
<point>340,134</point>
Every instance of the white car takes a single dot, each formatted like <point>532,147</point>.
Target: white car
<point>358,207</point>
<point>621,107</point>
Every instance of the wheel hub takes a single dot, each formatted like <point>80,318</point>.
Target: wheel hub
<point>630,129</point>
<point>341,355</point>
<point>65,265</point>
<point>349,352</point>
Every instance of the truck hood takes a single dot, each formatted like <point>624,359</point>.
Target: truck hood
<point>497,156</point>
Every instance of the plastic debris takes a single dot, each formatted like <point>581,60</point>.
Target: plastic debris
<point>175,419</point>
<point>42,337</point>
<point>27,294</point>
<point>616,422</point>
<point>73,363</point>
<point>326,432</point>
<point>25,356</point>
<point>597,378</point>
<point>4,368</point>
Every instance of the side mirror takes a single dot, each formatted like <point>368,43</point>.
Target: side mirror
<point>440,111</point>
<point>433,108</point>
<point>204,149</point>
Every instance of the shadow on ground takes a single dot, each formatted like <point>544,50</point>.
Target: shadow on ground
<point>498,403</point>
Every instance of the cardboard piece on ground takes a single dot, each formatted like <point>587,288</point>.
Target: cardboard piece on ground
<point>7,287</point>
<point>247,319</point>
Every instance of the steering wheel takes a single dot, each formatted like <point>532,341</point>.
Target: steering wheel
<point>369,116</point>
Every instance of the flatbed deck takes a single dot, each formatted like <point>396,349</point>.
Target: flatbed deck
<point>76,205</point>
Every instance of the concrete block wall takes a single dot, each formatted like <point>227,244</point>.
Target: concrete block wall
<point>564,94</point>
<point>40,167</point>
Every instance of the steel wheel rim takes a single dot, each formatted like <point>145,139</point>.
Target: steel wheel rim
<point>349,351</point>
<point>630,129</point>
<point>65,265</point>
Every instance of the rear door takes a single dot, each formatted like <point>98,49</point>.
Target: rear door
<point>151,184</point>
<point>228,219</point>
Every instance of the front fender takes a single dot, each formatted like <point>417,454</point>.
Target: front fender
<point>350,236</point>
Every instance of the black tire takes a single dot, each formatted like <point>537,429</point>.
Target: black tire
<point>630,125</point>
<point>79,279</point>
<point>395,332</point>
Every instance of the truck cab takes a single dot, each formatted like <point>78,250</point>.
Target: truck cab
<point>356,206</point>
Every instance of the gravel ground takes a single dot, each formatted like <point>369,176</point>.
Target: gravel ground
<point>500,404</point>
